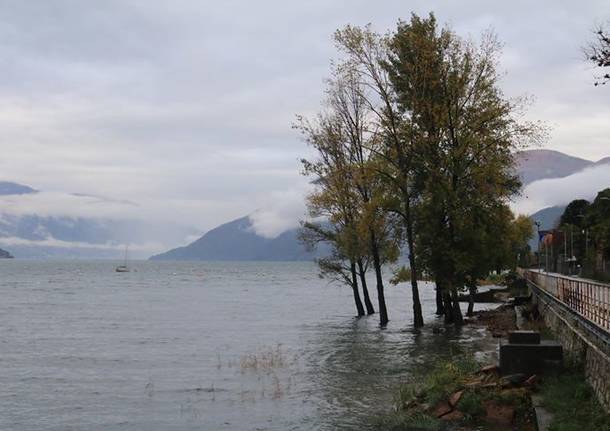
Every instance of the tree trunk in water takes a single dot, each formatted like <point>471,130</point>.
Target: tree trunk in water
<point>383,312</point>
<point>418,318</point>
<point>472,290</point>
<point>367,300</point>
<point>458,320</point>
<point>448,305</point>
<point>357,300</point>
<point>440,308</point>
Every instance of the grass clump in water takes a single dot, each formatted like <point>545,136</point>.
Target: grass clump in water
<point>266,359</point>
<point>573,404</point>
<point>447,377</point>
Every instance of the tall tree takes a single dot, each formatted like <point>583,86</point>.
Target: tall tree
<point>465,132</point>
<point>367,54</point>
<point>347,192</point>
<point>574,214</point>
<point>587,229</point>
<point>347,97</point>
<point>598,218</point>
<point>334,200</point>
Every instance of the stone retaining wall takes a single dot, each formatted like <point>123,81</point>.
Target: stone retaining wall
<point>581,345</point>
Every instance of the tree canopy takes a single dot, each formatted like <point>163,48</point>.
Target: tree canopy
<point>598,53</point>
<point>415,147</point>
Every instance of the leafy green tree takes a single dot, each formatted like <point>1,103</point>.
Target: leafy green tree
<point>465,132</point>
<point>347,97</point>
<point>348,194</point>
<point>574,214</point>
<point>598,218</point>
<point>522,230</point>
<point>495,239</point>
<point>587,229</point>
<point>368,55</point>
<point>333,201</point>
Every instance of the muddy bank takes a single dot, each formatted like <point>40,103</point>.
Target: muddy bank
<point>498,321</point>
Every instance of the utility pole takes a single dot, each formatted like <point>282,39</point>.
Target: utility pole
<point>582,264</point>
<point>582,261</point>
<point>537,223</point>
<point>571,241</point>
<point>565,252</point>
<point>572,257</point>
<point>546,257</point>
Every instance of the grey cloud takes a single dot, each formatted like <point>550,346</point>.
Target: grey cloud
<point>281,211</point>
<point>188,104</point>
<point>561,191</point>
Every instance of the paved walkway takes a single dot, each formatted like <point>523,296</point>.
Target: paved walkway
<point>543,416</point>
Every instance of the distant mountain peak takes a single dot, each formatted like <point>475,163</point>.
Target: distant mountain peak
<point>604,161</point>
<point>9,188</point>
<point>534,165</point>
<point>5,254</point>
<point>237,241</point>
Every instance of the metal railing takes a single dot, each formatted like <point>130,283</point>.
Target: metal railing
<point>587,298</point>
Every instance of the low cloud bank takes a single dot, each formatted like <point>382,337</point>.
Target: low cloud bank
<point>56,243</point>
<point>561,191</point>
<point>281,211</point>
<point>148,226</point>
<point>163,224</point>
<point>284,210</point>
<point>82,222</point>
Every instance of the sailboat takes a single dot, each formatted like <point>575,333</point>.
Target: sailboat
<point>124,267</point>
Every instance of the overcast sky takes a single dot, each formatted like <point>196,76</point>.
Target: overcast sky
<point>185,107</point>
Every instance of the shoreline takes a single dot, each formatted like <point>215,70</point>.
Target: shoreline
<point>478,395</point>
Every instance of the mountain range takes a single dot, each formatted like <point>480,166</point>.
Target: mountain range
<point>43,236</point>
<point>236,240</point>
<point>534,165</point>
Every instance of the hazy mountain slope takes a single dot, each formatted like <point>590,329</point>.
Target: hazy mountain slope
<point>548,219</point>
<point>533,165</point>
<point>230,241</point>
<point>44,236</point>
<point>5,254</point>
<point>604,161</point>
<point>33,236</point>
<point>8,188</point>
<point>237,241</point>
<point>40,236</point>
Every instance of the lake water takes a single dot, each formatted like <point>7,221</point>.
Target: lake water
<point>202,346</point>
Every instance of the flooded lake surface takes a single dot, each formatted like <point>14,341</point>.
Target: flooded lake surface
<point>202,346</point>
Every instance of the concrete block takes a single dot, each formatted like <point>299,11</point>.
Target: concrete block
<point>524,337</point>
<point>543,358</point>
